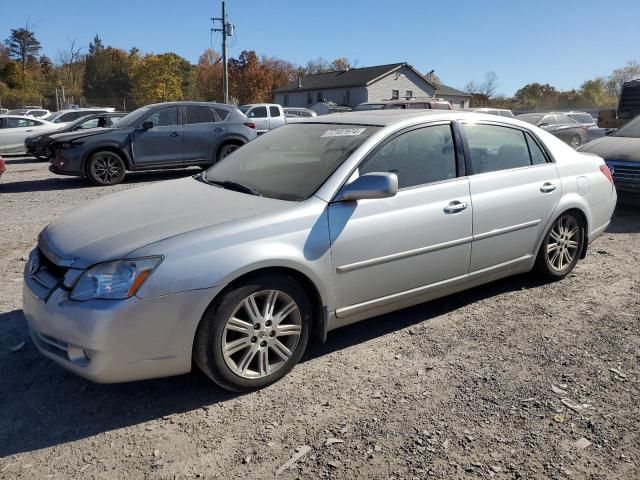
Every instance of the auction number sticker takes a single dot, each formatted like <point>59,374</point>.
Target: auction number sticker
<point>343,132</point>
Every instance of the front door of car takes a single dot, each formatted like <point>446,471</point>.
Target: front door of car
<point>260,117</point>
<point>420,236</point>
<point>201,132</point>
<point>514,189</point>
<point>15,131</point>
<point>160,144</point>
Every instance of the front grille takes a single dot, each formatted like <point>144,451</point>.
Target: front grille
<point>57,271</point>
<point>625,172</point>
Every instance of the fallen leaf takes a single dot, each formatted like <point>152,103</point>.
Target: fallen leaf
<point>617,372</point>
<point>558,390</point>
<point>331,441</point>
<point>571,404</point>
<point>300,452</point>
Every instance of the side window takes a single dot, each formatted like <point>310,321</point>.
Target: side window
<point>164,118</point>
<point>549,120</point>
<point>68,117</point>
<point>419,156</point>
<point>93,123</point>
<point>537,156</point>
<point>274,111</point>
<point>414,106</point>
<point>222,113</point>
<point>197,114</point>
<point>395,94</point>
<point>408,94</point>
<point>495,148</point>
<point>258,112</point>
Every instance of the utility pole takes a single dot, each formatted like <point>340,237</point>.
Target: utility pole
<point>227,31</point>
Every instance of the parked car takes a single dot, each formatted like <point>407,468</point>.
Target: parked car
<point>36,112</point>
<point>428,103</point>
<point>38,145</point>
<point>14,129</point>
<point>319,224</point>
<point>71,115</point>
<point>266,116</point>
<point>159,136</point>
<point>296,112</point>
<point>560,125</point>
<point>3,166</point>
<point>3,111</point>
<point>500,112</point>
<point>621,152</point>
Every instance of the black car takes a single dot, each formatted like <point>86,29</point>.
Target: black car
<point>159,136</point>
<point>38,145</point>
<point>621,152</point>
<point>565,128</point>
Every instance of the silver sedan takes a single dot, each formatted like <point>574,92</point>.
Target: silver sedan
<point>311,227</point>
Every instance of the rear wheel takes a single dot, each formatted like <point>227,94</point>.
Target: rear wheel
<point>254,334</point>
<point>561,247</point>
<point>226,150</point>
<point>106,168</point>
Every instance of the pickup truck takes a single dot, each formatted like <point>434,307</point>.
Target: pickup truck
<point>266,116</point>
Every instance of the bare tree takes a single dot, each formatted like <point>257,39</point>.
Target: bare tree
<point>72,64</point>
<point>490,84</point>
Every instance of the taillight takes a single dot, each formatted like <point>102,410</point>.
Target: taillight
<point>606,172</point>
<point>250,125</point>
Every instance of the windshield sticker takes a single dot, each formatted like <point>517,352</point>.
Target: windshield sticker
<point>343,132</point>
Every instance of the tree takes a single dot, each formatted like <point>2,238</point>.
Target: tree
<point>157,78</point>
<point>340,64</point>
<point>23,46</point>
<point>481,94</point>
<point>594,93</point>
<point>630,71</point>
<point>433,78</point>
<point>249,80</point>
<point>537,95</point>
<point>71,68</point>
<point>107,75</point>
<point>318,65</point>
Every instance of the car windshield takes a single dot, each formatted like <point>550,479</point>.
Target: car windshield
<point>292,161</point>
<point>631,129</point>
<point>244,108</point>
<point>132,119</point>
<point>530,118</point>
<point>369,106</point>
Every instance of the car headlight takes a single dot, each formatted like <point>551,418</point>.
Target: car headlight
<point>114,280</point>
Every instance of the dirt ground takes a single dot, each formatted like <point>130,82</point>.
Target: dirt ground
<point>516,379</point>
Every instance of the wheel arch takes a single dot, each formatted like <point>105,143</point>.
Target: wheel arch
<point>318,305</point>
<point>109,148</point>
<point>576,206</point>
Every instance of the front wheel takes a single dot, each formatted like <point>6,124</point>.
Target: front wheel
<point>105,168</point>
<point>561,247</point>
<point>226,150</point>
<point>254,334</point>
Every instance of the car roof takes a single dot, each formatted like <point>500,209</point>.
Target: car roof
<point>23,117</point>
<point>383,118</point>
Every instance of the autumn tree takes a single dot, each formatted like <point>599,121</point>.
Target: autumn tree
<point>107,74</point>
<point>158,78</point>
<point>249,80</point>
<point>209,75</point>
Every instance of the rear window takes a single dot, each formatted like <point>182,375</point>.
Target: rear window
<point>369,106</point>
<point>274,111</point>
<point>582,117</point>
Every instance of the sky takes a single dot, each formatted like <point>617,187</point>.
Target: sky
<point>561,42</point>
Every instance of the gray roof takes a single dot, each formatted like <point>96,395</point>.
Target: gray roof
<point>443,89</point>
<point>354,77</point>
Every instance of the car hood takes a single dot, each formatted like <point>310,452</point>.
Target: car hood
<point>615,148</point>
<point>112,227</point>
<point>89,132</point>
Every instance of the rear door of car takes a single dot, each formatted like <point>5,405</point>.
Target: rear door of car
<point>201,130</point>
<point>514,190</point>
<point>161,144</point>
<point>17,130</point>
<point>418,237</point>
<point>260,117</point>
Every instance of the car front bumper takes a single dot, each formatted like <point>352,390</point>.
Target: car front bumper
<point>110,341</point>
<point>66,162</point>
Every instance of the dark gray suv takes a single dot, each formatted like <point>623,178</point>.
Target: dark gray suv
<point>158,136</point>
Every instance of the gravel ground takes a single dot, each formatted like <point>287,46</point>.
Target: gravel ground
<point>516,379</point>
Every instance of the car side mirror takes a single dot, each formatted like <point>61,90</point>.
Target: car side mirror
<point>542,125</point>
<point>148,125</point>
<point>370,185</point>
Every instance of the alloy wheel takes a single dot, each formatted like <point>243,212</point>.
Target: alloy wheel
<point>261,334</point>
<point>563,243</point>
<point>227,150</point>
<point>107,167</point>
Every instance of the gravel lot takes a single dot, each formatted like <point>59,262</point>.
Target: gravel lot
<point>516,379</point>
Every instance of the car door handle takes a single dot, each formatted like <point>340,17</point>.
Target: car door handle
<point>175,134</point>
<point>547,187</point>
<point>455,207</point>
<point>29,130</point>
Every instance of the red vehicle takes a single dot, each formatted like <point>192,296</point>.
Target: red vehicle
<point>2,166</point>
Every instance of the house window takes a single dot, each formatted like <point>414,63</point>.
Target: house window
<point>461,103</point>
<point>319,97</point>
<point>286,100</point>
<point>309,98</point>
<point>409,94</point>
<point>395,94</point>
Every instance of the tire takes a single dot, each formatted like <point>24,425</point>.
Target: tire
<point>575,141</point>
<point>238,346</point>
<point>106,168</point>
<point>225,150</point>
<point>561,247</point>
